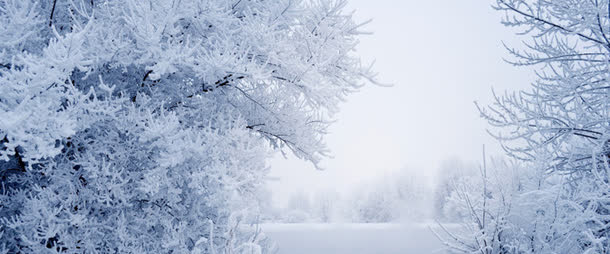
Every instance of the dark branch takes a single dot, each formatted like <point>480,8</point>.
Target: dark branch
<point>225,81</point>
<point>52,11</point>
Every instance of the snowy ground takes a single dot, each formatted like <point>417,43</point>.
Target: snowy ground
<point>352,238</point>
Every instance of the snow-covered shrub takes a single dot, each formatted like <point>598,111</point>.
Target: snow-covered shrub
<point>490,208</point>
<point>373,205</point>
<point>143,126</point>
<point>412,196</point>
<point>295,216</point>
<point>398,196</point>
<point>449,173</point>
<point>518,208</point>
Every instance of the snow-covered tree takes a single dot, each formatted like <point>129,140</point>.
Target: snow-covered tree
<point>564,117</point>
<point>143,126</point>
<point>560,129</point>
<point>326,205</point>
<point>563,123</point>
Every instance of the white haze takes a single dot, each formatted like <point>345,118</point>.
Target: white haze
<point>441,56</point>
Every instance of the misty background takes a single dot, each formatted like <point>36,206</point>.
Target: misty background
<point>440,56</point>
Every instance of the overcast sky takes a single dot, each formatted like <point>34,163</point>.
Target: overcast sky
<point>441,56</point>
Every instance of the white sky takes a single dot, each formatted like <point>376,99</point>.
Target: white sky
<point>441,56</point>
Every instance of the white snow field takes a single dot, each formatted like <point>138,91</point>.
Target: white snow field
<point>353,238</point>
